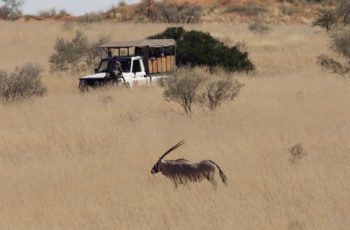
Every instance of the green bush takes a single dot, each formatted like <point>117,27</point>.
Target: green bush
<point>196,48</point>
<point>23,83</point>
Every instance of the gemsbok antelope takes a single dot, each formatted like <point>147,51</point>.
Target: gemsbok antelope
<point>181,171</point>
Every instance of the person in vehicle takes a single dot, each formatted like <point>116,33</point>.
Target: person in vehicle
<point>114,70</point>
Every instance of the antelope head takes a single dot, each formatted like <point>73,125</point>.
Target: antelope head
<point>156,167</point>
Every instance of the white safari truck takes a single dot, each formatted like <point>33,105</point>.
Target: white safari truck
<point>133,62</point>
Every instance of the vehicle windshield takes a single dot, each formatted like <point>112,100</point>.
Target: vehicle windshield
<point>125,63</point>
<point>103,66</point>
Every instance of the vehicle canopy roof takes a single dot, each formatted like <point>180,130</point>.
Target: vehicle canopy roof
<point>140,43</point>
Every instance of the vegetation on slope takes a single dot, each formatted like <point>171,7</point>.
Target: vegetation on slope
<point>179,11</point>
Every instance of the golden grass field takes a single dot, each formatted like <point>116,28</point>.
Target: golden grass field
<point>83,161</point>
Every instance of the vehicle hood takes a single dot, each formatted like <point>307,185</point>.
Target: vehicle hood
<point>94,76</point>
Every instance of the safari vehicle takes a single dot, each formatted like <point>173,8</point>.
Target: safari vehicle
<point>133,62</point>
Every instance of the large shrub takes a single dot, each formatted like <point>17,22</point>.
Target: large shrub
<point>343,11</point>
<point>328,17</point>
<point>340,38</point>
<point>23,83</point>
<point>93,55</point>
<point>68,53</point>
<point>217,90</point>
<point>76,54</point>
<point>196,48</point>
<point>183,89</point>
<point>325,18</point>
<point>340,43</point>
<point>195,86</point>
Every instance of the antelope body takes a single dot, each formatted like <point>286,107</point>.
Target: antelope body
<point>181,171</point>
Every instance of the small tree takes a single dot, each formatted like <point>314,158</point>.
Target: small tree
<point>94,55</point>
<point>24,83</point>
<point>14,5</point>
<point>183,89</point>
<point>190,13</point>
<point>173,13</point>
<point>4,12</point>
<point>76,54</point>
<point>12,8</point>
<point>218,90</point>
<point>195,86</point>
<point>68,53</point>
<point>92,17</point>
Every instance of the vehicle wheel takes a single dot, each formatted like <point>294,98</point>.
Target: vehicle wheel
<point>122,77</point>
<point>83,87</point>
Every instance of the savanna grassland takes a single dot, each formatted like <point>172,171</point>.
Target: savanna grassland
<point>82,161</point>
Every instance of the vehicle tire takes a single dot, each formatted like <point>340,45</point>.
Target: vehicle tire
<point>122,77</point>
<point>83,87</point>
<point>127,85</point>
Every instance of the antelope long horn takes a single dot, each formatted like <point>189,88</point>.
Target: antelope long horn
<point>172,148</point>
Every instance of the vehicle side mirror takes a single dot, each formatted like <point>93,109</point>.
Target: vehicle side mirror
<point>96,70</point>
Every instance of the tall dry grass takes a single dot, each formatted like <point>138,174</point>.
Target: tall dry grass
<point>83,161</point>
